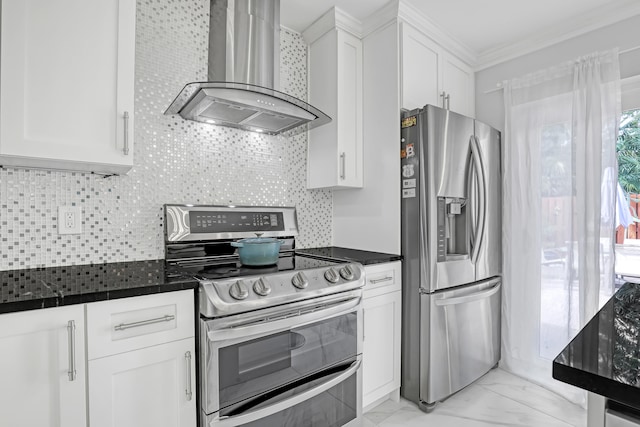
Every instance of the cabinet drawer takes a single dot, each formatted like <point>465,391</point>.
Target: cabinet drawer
<point>127,324</point>
<point>383,278</point>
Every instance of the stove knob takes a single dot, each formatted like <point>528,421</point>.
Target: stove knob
<point>332,275</point>
<point>300,280</point>
<point>347,272</point>
<point>261,287</point>
<point>239,290</point>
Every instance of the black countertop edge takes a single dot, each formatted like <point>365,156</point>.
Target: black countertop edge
<point>611,389</point>
<point>348,254</point>
<point>47,287</point>
<point>604,357</point>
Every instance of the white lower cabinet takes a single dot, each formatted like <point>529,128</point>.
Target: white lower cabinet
<point>42,368</point>
<point>382,310</point>
<point>153,386</point>
<point>140,354</point>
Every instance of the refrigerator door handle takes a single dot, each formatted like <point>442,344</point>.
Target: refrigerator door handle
<point>486,293</point>
<point>478,168</point>
<point>472,186</point>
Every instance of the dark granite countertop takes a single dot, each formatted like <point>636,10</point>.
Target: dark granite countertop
<point>604,358</point>
<point>37,288</point>
<point>356,255</point>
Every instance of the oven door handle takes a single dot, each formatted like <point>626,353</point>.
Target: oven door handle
<point>281,406</point>
<point>278,324</point>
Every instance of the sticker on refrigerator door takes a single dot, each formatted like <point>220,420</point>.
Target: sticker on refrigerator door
<point>408,171</point>
<point>409,183</point>
<point>408,192</point>
<point>408,122</point>
<point>410,150</point>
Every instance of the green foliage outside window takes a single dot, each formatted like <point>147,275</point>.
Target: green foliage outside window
<point>628,148</point>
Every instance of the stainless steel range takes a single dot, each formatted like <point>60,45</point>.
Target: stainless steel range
<point>280,344</point>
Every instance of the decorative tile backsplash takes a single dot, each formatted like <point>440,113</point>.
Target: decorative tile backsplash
<point>175,161</point>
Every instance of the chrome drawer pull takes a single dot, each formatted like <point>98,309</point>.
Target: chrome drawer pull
<point>188,391</point>
<point>384,279</point>
<point>165,318</point>
<point>71,332</point>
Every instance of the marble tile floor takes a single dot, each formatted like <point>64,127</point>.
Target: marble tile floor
<point>497,399</point>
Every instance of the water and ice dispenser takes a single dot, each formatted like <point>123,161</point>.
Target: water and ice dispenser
<point>453,229</point>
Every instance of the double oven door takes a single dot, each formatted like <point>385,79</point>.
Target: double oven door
<point>290,366</point>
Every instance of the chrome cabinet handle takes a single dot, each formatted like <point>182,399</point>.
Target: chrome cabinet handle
<point>343,165</point>
<point>383,279</point>
<point>165,318</point>
<point>445,99</point>
<point>364,330</point>
<point>188,391</point>
<point>71,332</point>
<point>125,150</point>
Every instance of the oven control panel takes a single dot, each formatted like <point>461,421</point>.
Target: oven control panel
<point>236,295</point>
<point>185,223</point>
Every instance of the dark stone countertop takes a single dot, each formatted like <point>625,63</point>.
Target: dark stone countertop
<point>356,255</point>
<point>37,288</point>
<point>604,358</point>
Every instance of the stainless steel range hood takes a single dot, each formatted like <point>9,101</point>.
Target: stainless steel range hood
<point>244,58</point>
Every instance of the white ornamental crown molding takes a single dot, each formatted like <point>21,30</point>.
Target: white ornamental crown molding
<point>585,23</point>
<point>399,10</point>
<point>333,18</point>
<point>380,18</point>
<point>417,19</point>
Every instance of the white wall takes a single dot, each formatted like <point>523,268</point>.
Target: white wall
<point>624,35</point>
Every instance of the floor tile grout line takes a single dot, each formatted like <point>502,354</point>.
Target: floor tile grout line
<point>528,406</point>
<point>373,411</point>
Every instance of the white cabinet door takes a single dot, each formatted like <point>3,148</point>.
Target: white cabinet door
<point>151,387</point>
<point>458,82</point>
<point>381,352</point>
<point>66,84</point>
<point>335,152</point>
<point>432,75</point>
<point>38,349</point>
<point>421,58</point>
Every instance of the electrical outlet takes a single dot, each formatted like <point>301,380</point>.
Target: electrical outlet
<point>69,220</point>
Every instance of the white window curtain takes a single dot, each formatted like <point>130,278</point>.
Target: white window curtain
<point>560,175</point>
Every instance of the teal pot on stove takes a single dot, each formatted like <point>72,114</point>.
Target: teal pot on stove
<point>258,251</point>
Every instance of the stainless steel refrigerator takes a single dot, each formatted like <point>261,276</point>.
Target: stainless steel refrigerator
<point>451,243</point>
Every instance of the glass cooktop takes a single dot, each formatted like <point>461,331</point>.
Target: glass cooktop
<point>225,268</point>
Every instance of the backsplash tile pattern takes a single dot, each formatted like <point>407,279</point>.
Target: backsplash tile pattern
<point>175,161</point>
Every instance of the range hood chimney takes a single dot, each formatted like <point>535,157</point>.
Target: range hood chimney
<point>243,74</point>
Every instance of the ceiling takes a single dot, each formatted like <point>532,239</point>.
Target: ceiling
<point>483,27</point>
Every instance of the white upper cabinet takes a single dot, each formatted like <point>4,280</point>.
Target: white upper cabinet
<point>335,87</point>
<point>67,84</point>
<point>458,84</point>
<point>420,69</point>
<point>432,75</point>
